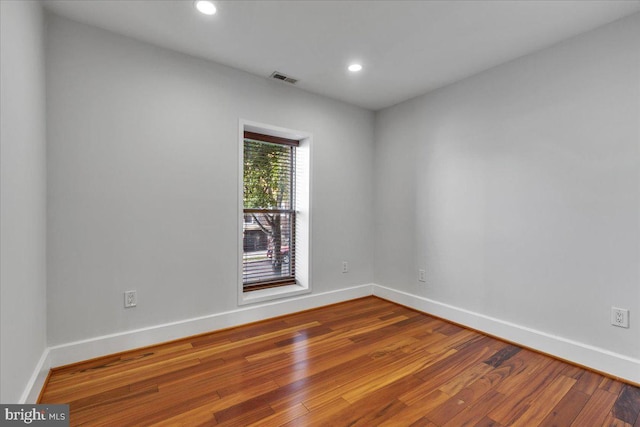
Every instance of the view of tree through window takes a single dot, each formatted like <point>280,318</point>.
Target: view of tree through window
<point>269,211</point>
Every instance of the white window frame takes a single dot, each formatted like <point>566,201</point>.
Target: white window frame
<point>303,214</point>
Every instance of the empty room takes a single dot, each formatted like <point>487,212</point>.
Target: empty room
<point>320,213</point>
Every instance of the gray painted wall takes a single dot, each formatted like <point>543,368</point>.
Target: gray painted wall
<point>143,181</point>
<point>521,193</point>
<point>22,196</point>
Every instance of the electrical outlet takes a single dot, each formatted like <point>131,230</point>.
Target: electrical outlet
<point>620,317</point>
<point>345,267</point>
<point>130,299</point>
<point>422,275</point>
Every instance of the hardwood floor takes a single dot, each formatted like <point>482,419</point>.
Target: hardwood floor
<point>366,362</point>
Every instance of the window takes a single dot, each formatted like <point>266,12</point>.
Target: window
<point>274,212</point>
<point>268,233</point>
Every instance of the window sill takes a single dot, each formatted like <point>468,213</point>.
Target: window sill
<point>269,294</point>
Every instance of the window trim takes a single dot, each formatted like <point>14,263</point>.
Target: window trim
<point>303,212</point>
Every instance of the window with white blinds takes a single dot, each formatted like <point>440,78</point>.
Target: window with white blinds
<point>269,216</point>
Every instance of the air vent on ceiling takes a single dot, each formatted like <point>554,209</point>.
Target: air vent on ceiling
<point>279,76</point>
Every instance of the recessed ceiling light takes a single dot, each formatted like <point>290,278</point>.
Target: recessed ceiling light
<point>206,7</point>
<point>354,68</point>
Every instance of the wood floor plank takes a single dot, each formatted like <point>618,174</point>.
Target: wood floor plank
<point>503,355</point>
<point>333,360</point>
<point>443,413</point>
<point>366,362</point>
<point>390,373</point>
<point>611,421</point>
<point>627,406</point>
<point>319,417</point>
<point>413,413</point>
<point>488,422</point>
<point>97,385</point>
<point>376,407</point>
<point>282,416</point>
<point>520,400</point>
<point>588,382</point>
<point>566,411</point>
<point>468,376</point>
<point>423,422</point>
<point>468,396</point>
<point>244,413</point>
<point>478,410</point>
<point>545,401</point>
<point>339,383</point>
<point>611,385</point>
<point>464,390</point>
<point>597,409</point>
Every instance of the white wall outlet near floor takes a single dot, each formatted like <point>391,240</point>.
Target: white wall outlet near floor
<point>130,299</point>
<point>345,267</point>
<point>422,275</point>
<point>620,317</point>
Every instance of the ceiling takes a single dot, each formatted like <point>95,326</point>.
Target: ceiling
<point>406,47</point>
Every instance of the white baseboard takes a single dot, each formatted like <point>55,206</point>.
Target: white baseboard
<point>616,365</point>
<point>598,359</point>
<point>39,376</point>
<point>78,351</point>
<point>108,344</point>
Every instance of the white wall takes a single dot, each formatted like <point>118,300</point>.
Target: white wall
<point>142,181</point>
<point>518,190</point>
<point>22,196</point>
